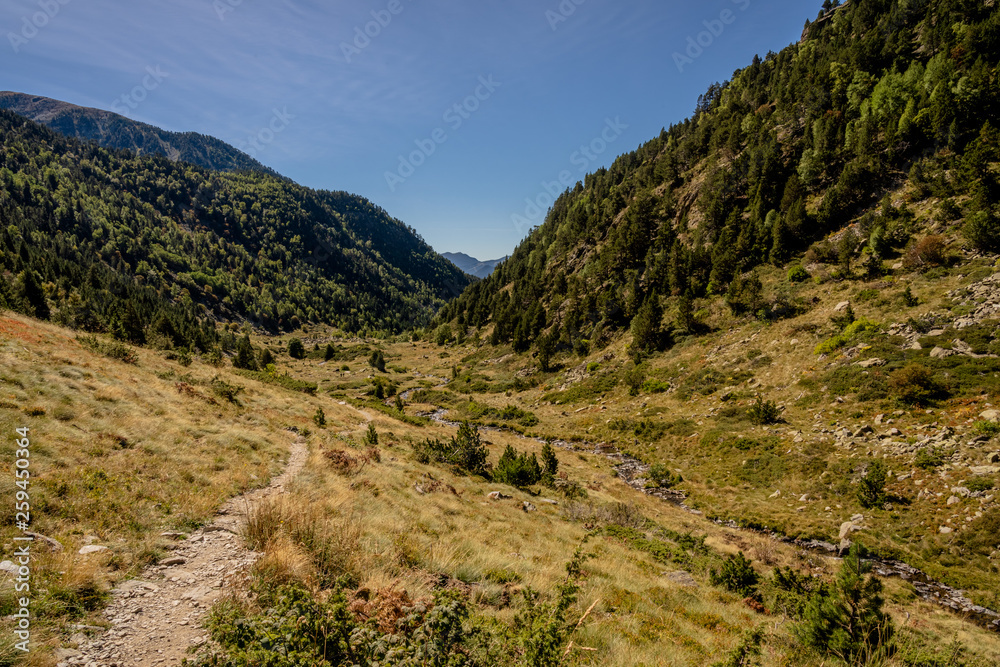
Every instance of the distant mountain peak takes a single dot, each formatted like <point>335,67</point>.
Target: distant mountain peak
<point>471,265</point>
<point>117,132</point>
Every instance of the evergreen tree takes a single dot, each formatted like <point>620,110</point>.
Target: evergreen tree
<point>33,295</point>
<point>296,350</point>
<point>550,463</point>
<point>847,621</point>
<point>244,355</point>
<point>266,358</point>
<point>647,326</point>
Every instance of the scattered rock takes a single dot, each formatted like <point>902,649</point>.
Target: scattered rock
<point>863,431</point>
<point>993,458</point>
<point>954,500</point>
<point>496,495</point>
<point>941,353</point>
<point>847,528</point>
<point>776,494</point>
<point>990,415</point>
<point>91,549</point>
<point>944,530</point>
<point>528,507</point>
<point>682,578</point>
<point>175,560</point>
<point>841,307</point>
<point>961,491</point>
<point>879,418</point>
<point>871,363</point>
<point>52,544</point>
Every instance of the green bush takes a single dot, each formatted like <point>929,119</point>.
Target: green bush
<point>980,484</point>
<point>319,418</point>
<point>550,463</point>
<point>377,361</point>
<point>634,379</point>
<point>987,428</point>
<point>736,575</point>
<point>850,332</point>
<point>764,412</point>
<point>517,469</point>
<point>661,477</point>
<point>929,458</point>
<point>110,348</point>
<point>915,384</point>
<point>465,451</point>
<point>871,486</point>
<point>371,436</point>
<point>798,274</point>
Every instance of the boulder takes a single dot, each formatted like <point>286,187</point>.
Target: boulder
<point>53,545</point>
<point>941,353</point>
<point>944,530</point>
<point>847,528</point>
<point>994,457</point>
<point>871,363</point>
<point>954,500</point>
<point>961,491</point>
<point>496,495</point>
<point>990,415</point>
<point>176,560</point>
<point>776,494</point>
<point>841,307</point>
<point>91,549</point>
<point>528,507</point>
<point>9,567</point>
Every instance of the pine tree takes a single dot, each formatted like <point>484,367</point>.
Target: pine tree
<point>33,295</point>
<point>266,358</point>
<point>296,350</point>
<point>847,621</point>
<point>550,464</point>
<point>780,238</point>
<point>244,355</point>
<point>647,326</point>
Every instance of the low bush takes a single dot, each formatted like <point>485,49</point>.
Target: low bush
<point>871,486</point>
<point>798,274</point>
<point>109,348</point>
<point>517,469</point>
<point>915,384</point>
<point>737,576</point>
<point>660,476</point>
<point>764,412</point>
<point>464,451</point>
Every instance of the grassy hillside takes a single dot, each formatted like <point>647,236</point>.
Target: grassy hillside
<point>375,534</point>
<point>152,249</point>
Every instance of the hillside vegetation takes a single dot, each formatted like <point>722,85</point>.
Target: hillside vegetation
<point>117,132</point>
<point>799,144</point>
<point>148,248</point>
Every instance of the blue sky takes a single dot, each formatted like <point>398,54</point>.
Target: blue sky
<point>334,94</point>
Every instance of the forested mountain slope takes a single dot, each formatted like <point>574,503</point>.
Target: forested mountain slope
<point>800,144</point>
<point>115,131</point>
<point>141,246</point>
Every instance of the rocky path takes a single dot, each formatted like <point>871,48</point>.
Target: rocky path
<point>157,617</point>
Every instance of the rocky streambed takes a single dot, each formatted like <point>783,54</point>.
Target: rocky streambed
<point>634,472</point>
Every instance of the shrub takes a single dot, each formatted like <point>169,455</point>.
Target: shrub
<point>516,469</point>
<point>987,428</point>
<point>980,484</point>
<point>377,361</point>
<point>848,620</point>
<point>764,412</point>
<point>871,486</point>
<point>296,350</point>
<point>660,476</point>
<point>225,390</point>
<point>927,252</point>
<point>736,575</point>
<point>110,348</point>
<point>266,358</point>
<point>319,418</point>
<point>851,331</point>
<point>465,451</point>
<point>928,458</point>
<point>634,379</point>
<point>798,274</point>
<point>550,463</point>
<point>914,384</point>
<point>371,437</point>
